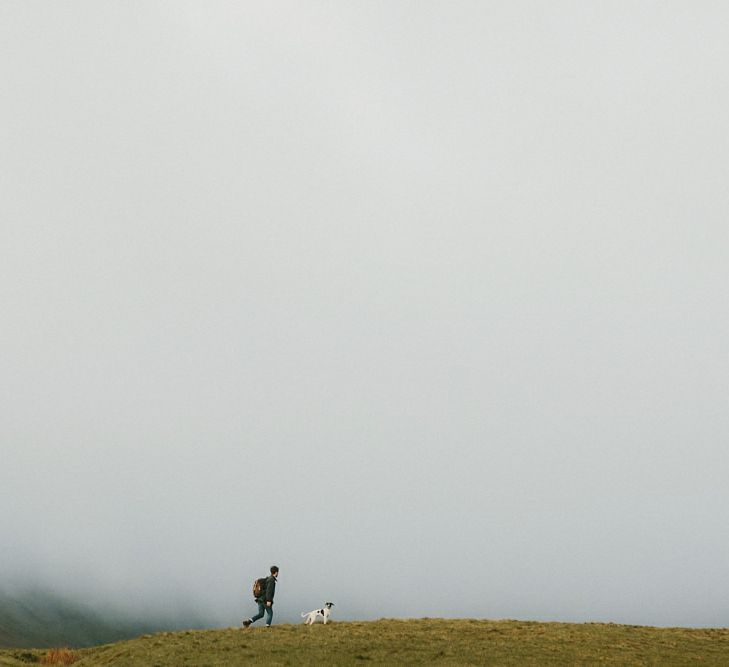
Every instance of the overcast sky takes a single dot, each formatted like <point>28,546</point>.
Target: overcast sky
<point>425,302</point>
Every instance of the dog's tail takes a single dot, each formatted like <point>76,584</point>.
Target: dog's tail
<point>304,614</point>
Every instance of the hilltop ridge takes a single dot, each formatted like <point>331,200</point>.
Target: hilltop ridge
<point>423,641</point>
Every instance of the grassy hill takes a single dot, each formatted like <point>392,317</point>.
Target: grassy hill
<point>425,641</point>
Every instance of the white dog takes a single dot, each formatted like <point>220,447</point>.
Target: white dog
<point>318,615</point>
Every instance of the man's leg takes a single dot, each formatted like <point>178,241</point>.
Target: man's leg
<point>253,619</point>
<point>269,614</point>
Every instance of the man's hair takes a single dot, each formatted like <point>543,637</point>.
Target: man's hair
<point>274,568</point>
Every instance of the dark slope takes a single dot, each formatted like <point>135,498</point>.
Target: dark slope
<point>35,618</point>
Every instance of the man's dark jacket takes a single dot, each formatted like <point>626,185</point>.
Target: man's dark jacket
<point>270,590</point>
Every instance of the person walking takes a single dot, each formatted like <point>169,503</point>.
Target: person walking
<point>265,600</point>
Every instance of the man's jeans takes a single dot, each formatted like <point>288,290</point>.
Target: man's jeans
<point>262,608</point>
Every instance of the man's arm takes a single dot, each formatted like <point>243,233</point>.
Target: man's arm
<point>270,590</point>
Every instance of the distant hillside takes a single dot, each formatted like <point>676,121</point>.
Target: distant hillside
<point>35,618</point>
<point>416,642</point>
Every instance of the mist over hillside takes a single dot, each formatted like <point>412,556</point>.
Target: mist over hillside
<point>35,617</point>
<point>424,302</point>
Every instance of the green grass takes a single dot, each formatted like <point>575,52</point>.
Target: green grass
<point>413,642</point>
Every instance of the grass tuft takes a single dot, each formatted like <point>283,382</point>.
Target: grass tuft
<point>59,656</point>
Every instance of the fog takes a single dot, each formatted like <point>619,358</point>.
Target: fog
<point>424,302</point>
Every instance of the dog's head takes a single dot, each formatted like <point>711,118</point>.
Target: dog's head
<point>328,605</point>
